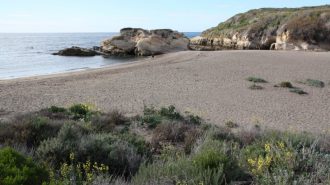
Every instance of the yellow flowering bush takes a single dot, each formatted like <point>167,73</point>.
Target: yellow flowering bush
<point>272,155</point>
<point>81,111</point>
<point>76,172</point>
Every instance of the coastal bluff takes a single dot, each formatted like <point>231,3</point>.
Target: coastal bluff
<point>140,42</point>
<point>306,28</point>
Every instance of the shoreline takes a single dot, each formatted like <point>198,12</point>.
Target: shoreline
<point>122,65</point>
<point>209,84</point>
<point>72,72</point>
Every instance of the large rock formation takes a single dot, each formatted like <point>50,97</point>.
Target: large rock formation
<point>305,28</point>
<point>77,51</point>
<point>136,41</point>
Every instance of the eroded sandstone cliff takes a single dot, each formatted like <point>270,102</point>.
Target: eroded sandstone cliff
<point>305,28</point>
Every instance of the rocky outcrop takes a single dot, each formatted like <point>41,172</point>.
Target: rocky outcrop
<point>140,42</point>
<point>279,29</point>
<point>77,51</point>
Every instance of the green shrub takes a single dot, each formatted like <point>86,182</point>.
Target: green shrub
<point>29,130</point>
<point>298,91</point>
<point>149,110</point>
<point>255,87</point>
<point>210,159</point>
<point>288,158</point>
<point>55,109</point>
<point>247,137</point>
<point>315,83</point>
<point>190,139</point>
<point>108,122</point>
<point>210,165</point>
<point>285,85</point>
<point>152,117</point>
<point>142,147</point>
<point>54,112</point>
<point>170,113</point>
<point>123,157</point>
<point>181,171</point>
<point>81,111</point>
<point>231,124</point>
<point>296,140</point>
<point>311,166</point>
<point>324,143</point>
<point>56,150</point>
<point>175,133</point>
<point>170,131</point>
<point>16,169</point>
<point>78,173</point>
<point>108,180</point>
<point>167,132</point>
<point>193,119</point>
<point>214,153</point>
<point>256,80</point>
<point>123,154</point>
<point>221,134</point>
<point>94,147</point>
<point>152,120</point>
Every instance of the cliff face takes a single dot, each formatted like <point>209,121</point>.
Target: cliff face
<point>136,41</point>
<point>280,29</point>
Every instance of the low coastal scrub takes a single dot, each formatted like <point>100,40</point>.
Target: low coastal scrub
<point>255,87</point>
<point>231,124</point>
<point>314,83</point>
<point>256,80</point>
<point>293,89</point>
<point>284,84</point>
<point>79,145</point>
<point>298,91</point>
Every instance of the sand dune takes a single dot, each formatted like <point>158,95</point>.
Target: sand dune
<point>210,84</point>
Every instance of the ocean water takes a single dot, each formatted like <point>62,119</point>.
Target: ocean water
<point>29,54</point>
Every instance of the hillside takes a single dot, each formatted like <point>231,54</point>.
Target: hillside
<point>306,28</point>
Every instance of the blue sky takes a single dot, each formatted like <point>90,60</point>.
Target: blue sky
<point>111,15</point>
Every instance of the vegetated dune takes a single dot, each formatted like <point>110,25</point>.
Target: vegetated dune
<point>306,28</point>
<point>82,145</point>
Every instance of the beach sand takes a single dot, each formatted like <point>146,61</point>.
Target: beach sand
<point>209,84</point>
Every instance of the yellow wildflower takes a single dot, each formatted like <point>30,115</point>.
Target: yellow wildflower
<point>71,156</point>
<point>281,145</point>
<point>260,163</point>
<point>251,162</point>
<point>89,177</point>
<point>289,154</point>
<point>268,160</point>
<point>64,169</point>
<point>267,147</point>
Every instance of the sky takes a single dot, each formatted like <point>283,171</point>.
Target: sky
<point>112,15</point>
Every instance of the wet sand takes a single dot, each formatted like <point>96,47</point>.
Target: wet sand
<point>209,84</point>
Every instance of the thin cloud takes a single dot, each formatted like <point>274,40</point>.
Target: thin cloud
<point>20,15</point>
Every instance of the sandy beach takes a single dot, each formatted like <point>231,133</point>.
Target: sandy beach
<point>209,84</point>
